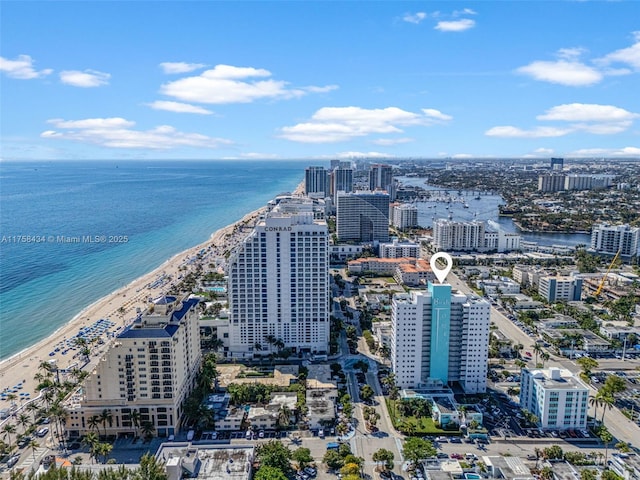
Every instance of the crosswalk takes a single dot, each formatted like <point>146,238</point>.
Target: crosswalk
<point>32,460</point>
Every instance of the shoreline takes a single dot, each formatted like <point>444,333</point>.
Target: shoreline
<point>119,307</point>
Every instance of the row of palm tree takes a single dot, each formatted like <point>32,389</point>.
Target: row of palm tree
<point>150,469</point>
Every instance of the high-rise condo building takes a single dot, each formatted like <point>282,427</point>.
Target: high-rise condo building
<point>557,163</point>
<point>560,288</point>
<point>439,337</point>
<point>454,236</point>
<point>449,235</point>
<point>150,369</point>
<point>380,177</point>
<point>279,286</point>
<point>404,216</point>
<point>556,397</point>
<point>341,180</point>
<point>551,183</point>
<point>609,239</point>
<point>316,182</point>
<point>363,217</point>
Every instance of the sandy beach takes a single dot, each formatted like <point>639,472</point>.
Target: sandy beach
<point>118,308</point>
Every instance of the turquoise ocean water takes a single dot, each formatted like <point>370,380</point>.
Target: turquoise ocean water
<point>162,208</point>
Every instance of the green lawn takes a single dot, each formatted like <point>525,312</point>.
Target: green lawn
<point>423,426</point>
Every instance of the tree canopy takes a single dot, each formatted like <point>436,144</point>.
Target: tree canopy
<point>416,449</point>
<point>269,473</point>
<point>274,454</point>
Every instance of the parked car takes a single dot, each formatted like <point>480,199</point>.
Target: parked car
<point>42,431</point>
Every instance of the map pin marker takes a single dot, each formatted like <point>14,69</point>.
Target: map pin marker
<point>441,273</point>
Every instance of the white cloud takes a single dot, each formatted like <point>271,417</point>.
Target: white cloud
<point>592,118</point>
<point>86,79</point>
<point>606,152</point>
<point>571,53</point>
<point>337,124</point>
<point>414,17</point>
<point>543,151</point>
<point>349,155</point>
<point>22,68</point>
<point>583,117</point>
<point>564,72</point>
<point>569,70</point>
<point>455,25</point>
<point>515,132</point>
<point>178,107</point>
<point>586,112</point>
<point>180,67</point>
<point>463,156</point>
<point>253,156</point>
<point>392,141</point>
<point>629,55</point>
<point>464,11</point>
<point>229,84</point>
<point>436,114</point>
<point>118,133</point>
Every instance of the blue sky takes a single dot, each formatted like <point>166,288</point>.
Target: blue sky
<point>319,80</point>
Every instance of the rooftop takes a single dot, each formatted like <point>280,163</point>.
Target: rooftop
<point>210,462</point>
<point>557,379</point>
<point>510,467</point>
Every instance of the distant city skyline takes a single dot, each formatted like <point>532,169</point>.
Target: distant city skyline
<point>319,80</point>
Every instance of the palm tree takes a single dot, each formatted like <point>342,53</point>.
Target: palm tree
<point>93,422</point>
<point>546,473</point>
<point>103,450</point>
<point>537,349</point>
<point>59,414</point>
<point>606,437</point>
<point>135,420</point>
<point>47,368</point>
<point>33,444</point>
<point>150,469</point>
<point>147,429</point>
<point>270,339</point>
<point>33,408</point>
<point>8,429</point>
<point>545,357</point>
<point>284,417</point>
<point>24,420</point>
<point>11,398</point>
<point>106,417</point>
<point>595,402</point>
<point>91,440</point>
<point>607,402</point>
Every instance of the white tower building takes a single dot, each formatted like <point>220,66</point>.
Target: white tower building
<point>440,337</point>
<point>556,397</point>
<point>279,286</point>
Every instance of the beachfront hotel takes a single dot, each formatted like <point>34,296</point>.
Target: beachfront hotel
<point>279,284</point>
<point>150,368</point>
<point>440,338</point>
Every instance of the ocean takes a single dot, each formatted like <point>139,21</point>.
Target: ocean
<point>73,232</point>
